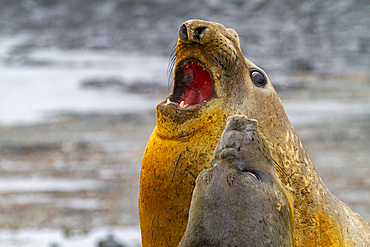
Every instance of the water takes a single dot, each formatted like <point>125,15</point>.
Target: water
<point>49,81</point>
<point>33,93</point>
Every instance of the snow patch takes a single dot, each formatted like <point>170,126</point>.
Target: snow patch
<point>129,237</point>
<point>20,184</point>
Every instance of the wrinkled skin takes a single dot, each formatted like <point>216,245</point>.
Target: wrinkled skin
<point>240,200</point>
<point>183,141</point>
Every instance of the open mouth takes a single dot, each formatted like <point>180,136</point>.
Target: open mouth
<point>193,84</point>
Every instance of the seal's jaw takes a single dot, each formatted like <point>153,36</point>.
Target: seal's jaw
<point>194,102</point>
<point>193,84</point>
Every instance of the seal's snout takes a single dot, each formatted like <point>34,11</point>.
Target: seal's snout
<point>239,132</point>
<point>195,31</point>
<point>239,147</point>
<point>241,123</point>
<point>229,153</point>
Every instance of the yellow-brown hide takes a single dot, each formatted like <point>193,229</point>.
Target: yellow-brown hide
<point>169,169</point>
<point>184,139</point>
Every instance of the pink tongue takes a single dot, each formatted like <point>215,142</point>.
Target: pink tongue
<point>200,87</point>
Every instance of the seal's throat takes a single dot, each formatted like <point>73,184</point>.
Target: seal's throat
<point>193,84</point>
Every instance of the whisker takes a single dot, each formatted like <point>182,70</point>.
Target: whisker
<point>172,62</point>
<point>242,36</point>
<point>172,56</point>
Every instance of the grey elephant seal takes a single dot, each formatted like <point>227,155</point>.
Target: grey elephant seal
<point>240,201</point>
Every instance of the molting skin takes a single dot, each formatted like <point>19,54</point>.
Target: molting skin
<point>213,81</point>
<point>240,200</point>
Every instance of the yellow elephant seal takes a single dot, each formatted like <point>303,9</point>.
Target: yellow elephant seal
<point>212,82</point>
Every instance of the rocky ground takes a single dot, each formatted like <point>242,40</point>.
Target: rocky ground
<point>104,151</point>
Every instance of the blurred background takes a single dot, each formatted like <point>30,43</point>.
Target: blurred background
<point>79,82</point>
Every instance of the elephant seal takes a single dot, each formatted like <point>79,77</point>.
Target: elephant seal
<point>240,200</point>
<point>213,81</point>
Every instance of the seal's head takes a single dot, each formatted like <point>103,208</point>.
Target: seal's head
<point>212,81</point>
<point>212,78</point>
<point>240,201</point>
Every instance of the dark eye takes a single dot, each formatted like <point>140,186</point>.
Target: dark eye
<point>252,174</point>
<point>258,78</point>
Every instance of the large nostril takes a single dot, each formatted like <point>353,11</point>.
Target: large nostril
<point>198,33</point>
<point>183,32</point>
